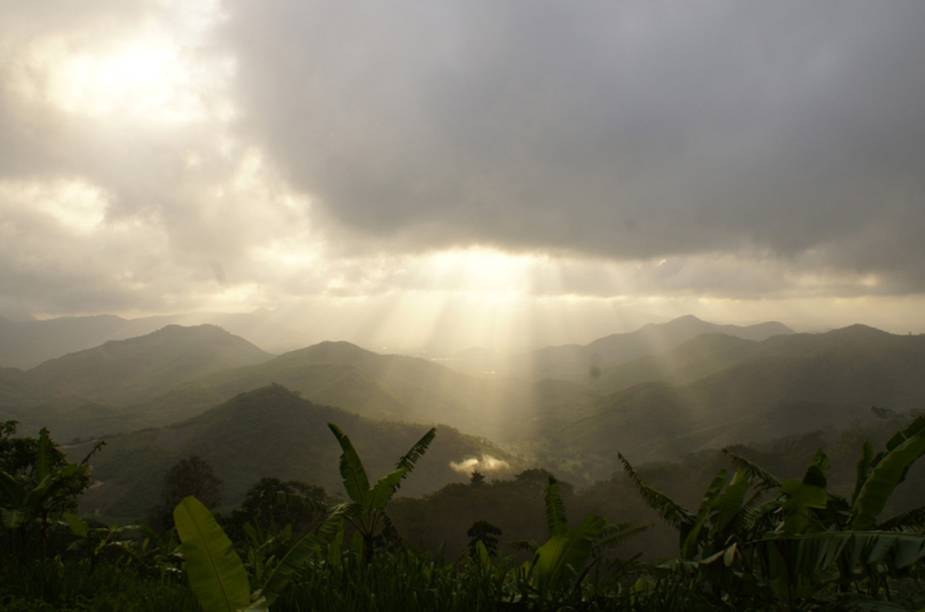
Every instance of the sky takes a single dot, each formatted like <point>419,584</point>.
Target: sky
<point>463,173</point>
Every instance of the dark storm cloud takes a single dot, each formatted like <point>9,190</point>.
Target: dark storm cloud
<point>624,129</point>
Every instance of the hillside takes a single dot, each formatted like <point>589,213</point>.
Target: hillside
<point>86,392</point>
<point>789,385</point>
<point>694,359</point>
<point>438,523</point>
<point>267,432</point>
<point>390,387</point>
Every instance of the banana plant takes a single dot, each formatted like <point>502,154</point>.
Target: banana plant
<point>879,476</point>
<point>215,572</point>
<point>45,491</point>
<point>719,524</point>
<point>561,564</point>
<point>366,509</point>
<point>798,568</point>
<point>810,507</point>
<point>823,539</point>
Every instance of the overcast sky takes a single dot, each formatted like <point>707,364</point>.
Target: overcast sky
<point>601,161</point>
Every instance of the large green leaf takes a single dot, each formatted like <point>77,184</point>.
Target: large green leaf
<point>691,538</point>
<point>731,502</point>
<point>804,496</point>
<point>556,521</point>
<point>561,560</point>
<point>721,504</point>
<point>673,513</point>
<point>299,553</point>
<point>417,451</point>
<point>884,477</point>
<point>216,574</point>
<point>812,559</point>
<point>767,479</point>
<point>913,429</point>
<point>352,472</point>
<point>385,488</point>
<point>911,519</point>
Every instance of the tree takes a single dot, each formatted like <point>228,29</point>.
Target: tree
<point>192,476</point>
<point>38,485</point>
<point>476,478</point>
<point>274,504</point>
<point>486,534</point>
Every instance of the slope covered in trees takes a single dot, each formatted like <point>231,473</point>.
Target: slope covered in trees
<point>268,432</point>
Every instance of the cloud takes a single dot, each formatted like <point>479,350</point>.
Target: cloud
<point>630,130</point>
<point>486,464</point>
<point>161,155</point>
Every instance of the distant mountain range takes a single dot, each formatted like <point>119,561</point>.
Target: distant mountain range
<point>655,394</point>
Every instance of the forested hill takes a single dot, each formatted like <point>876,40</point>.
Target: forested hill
<point>268,432</point>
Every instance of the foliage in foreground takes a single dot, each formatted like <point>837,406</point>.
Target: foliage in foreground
<point>755,542</point>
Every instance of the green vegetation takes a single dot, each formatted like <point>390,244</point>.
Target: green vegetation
<point>755,542</point>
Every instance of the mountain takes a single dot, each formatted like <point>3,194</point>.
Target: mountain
<point>704,392</point>
<point>788,385</point>
<point>687,362</point>
<point>388,387</point>
<point>270,431</point>
<point>584,363</point>
<point>150,382</point>
<point>124,371</point>
<point>25,344</point>
<point>91,386</point>
<point>11,386</point>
